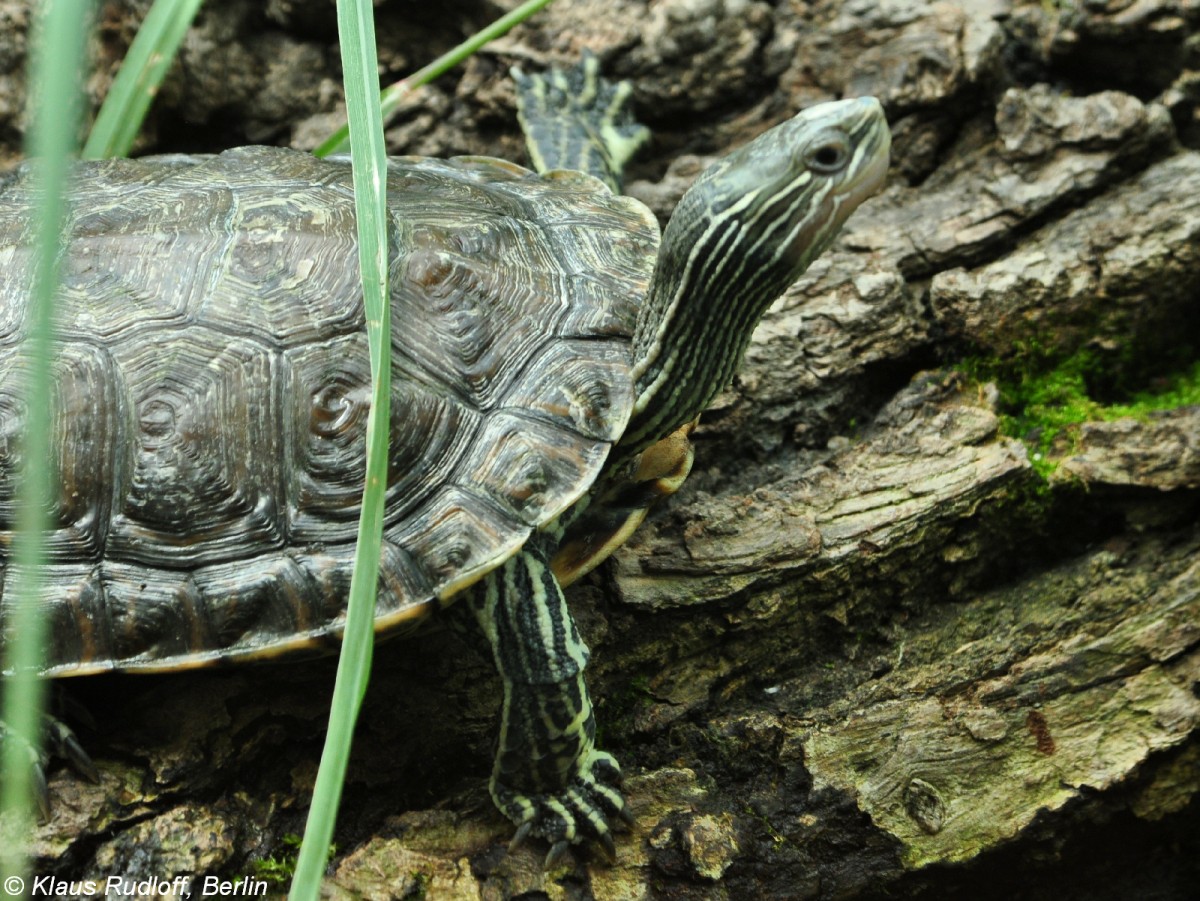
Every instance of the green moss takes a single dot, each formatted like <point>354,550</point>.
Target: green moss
<point>279,869</point>
<point>1042,401</point>
<point>421,883</point>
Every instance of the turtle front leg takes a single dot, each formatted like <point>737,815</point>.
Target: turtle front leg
<point>591,536</point>
<point>548,776</point>
<point>576,120</point>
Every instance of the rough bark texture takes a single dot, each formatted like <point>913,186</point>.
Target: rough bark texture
<point>869,651</point>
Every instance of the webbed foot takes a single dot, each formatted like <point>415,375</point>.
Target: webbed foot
<point>58,741</point>
<point>579,813</point>
<point>575,119</point>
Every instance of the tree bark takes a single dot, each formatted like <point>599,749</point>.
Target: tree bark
<point>879,645</point>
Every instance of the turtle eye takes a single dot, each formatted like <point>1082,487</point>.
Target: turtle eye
<point>828,155</point>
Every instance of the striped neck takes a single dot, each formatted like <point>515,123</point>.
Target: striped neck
<point>747,229</point>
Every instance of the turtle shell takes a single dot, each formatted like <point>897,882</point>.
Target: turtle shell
<point>211,390</point>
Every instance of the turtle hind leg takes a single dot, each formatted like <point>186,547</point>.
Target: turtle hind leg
<point>578,120</point>
<point>58,741</point>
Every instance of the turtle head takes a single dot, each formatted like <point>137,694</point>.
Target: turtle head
<point>747,229</point>
<point>774,205</point>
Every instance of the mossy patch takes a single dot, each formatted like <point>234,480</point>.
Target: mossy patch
<point>278,869</point>
<point>1042,402</point>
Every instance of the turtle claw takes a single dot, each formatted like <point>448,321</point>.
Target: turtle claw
<point>580,812</point>
<point>523,832</point>
<point>557,850</point>
<point>626,815</point>
<point>41,792</point>
<point>36,770</point>
<point>60,737</point>
<point>610,847</point>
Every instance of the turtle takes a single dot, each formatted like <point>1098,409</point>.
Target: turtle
<point>550,353</point>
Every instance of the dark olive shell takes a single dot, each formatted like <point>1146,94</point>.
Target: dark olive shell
<point>211,389</point>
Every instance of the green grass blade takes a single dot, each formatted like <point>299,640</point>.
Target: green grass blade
<point>356,32</point>
<point>393,94</point>
<point>142,71</point>
<point>56,66</point>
